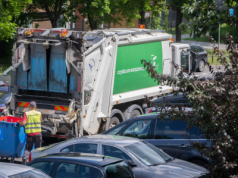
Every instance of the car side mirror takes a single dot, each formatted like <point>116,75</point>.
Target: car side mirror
<point>131,163</point>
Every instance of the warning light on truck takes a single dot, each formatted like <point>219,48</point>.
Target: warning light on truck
<point>142,26</point>
<point>63,32</point>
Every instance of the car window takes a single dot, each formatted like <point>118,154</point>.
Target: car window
<point>67,170</point>
<point>195,133</point>
<point>43,166</point>
<point>200,49</point>
<point>159,129</point>
<point>175,129</point>
<point>138,129</point>
<point>86,148</point>
<point>193,49</point>
<point>115,130</point>
<point>30,174</point>
<point>84,172</point>
<point>184,62</point>
<point>114,152</point>
<point>97,173</point>
<point>68,149</point>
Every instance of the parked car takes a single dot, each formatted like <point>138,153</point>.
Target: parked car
<point>82,165</point>
<point>10,170</point>
<point>145,159</point>
<point>178,100</point>
<point>199,57</point>
<point>170,136</point>
<point>5,99</point>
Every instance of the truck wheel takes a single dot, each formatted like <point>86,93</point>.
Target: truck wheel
<point>201,66</point>
<point>113,122</point>
<point>135,113</point>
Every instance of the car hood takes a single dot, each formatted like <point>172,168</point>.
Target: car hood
<point>179,168</point>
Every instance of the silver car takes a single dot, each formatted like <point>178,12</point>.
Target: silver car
<point>10,170</point>
<point>146,160</point>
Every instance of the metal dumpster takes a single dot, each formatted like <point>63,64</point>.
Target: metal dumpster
<point>12,137</point>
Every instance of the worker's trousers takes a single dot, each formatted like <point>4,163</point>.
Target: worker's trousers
<point>30,141</point>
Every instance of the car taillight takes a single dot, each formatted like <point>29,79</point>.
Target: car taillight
<point>150,111</point>
<point>3,85</point>
<point>29,159</point>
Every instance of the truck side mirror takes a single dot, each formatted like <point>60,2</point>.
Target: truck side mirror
<point>131,163</point>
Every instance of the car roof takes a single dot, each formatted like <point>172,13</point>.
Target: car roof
<point>99,139</point>
<point>169,97</point>
<point>87,158</point>
<point>9,169</point>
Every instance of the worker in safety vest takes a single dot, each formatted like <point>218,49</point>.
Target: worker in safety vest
<point>32,122</point>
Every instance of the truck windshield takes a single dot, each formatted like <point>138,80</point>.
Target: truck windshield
<point>119,170</point>
<point>148,154</point>
<point>184,62</point>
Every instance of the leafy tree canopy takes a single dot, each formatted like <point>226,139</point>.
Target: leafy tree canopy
<point>205,15</point>
<point>114,11</point>
<point>57,11</point>
<point>10,9</point>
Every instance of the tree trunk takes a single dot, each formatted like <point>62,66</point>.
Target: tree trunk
<point>179,19</point>
<point>93,25</point>
<point>142,19</point>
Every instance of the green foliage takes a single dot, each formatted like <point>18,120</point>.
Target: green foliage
<point>214,104</point>
<point>223,32</point>
<point>10,9</point>
<point>114,11</point>
<point>205,16</point>
<point>54,9</point>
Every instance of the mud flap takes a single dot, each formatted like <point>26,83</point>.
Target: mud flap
<point>57,73</point>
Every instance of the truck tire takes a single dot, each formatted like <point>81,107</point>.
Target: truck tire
<point>113,122</point>
<point>201,66</point>
<point>135,113</point>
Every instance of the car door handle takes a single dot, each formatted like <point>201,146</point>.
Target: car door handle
<point>182,146</point>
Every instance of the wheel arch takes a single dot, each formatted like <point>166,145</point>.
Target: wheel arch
<point>132,108</point>
<point>118,113</point>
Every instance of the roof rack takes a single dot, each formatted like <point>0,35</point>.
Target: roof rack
<point>75,154</point>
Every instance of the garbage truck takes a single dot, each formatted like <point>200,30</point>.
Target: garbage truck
<point>87,82</point>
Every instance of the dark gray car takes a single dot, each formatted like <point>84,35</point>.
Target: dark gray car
<point>170,136</point>
<point>199,57</point>
<point>147,161</point>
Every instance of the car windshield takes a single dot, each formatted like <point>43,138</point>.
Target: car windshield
<point>119,170</point>
<point>30,174</point>
<point>148,154</point>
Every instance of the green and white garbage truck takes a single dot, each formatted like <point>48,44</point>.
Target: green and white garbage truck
<point>86,82</point>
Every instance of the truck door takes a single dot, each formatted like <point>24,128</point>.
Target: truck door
<point>57,70</point>
<point>184,60</point>
<point>37,75</point>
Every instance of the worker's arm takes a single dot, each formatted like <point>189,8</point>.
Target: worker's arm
<point>23,122</point>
